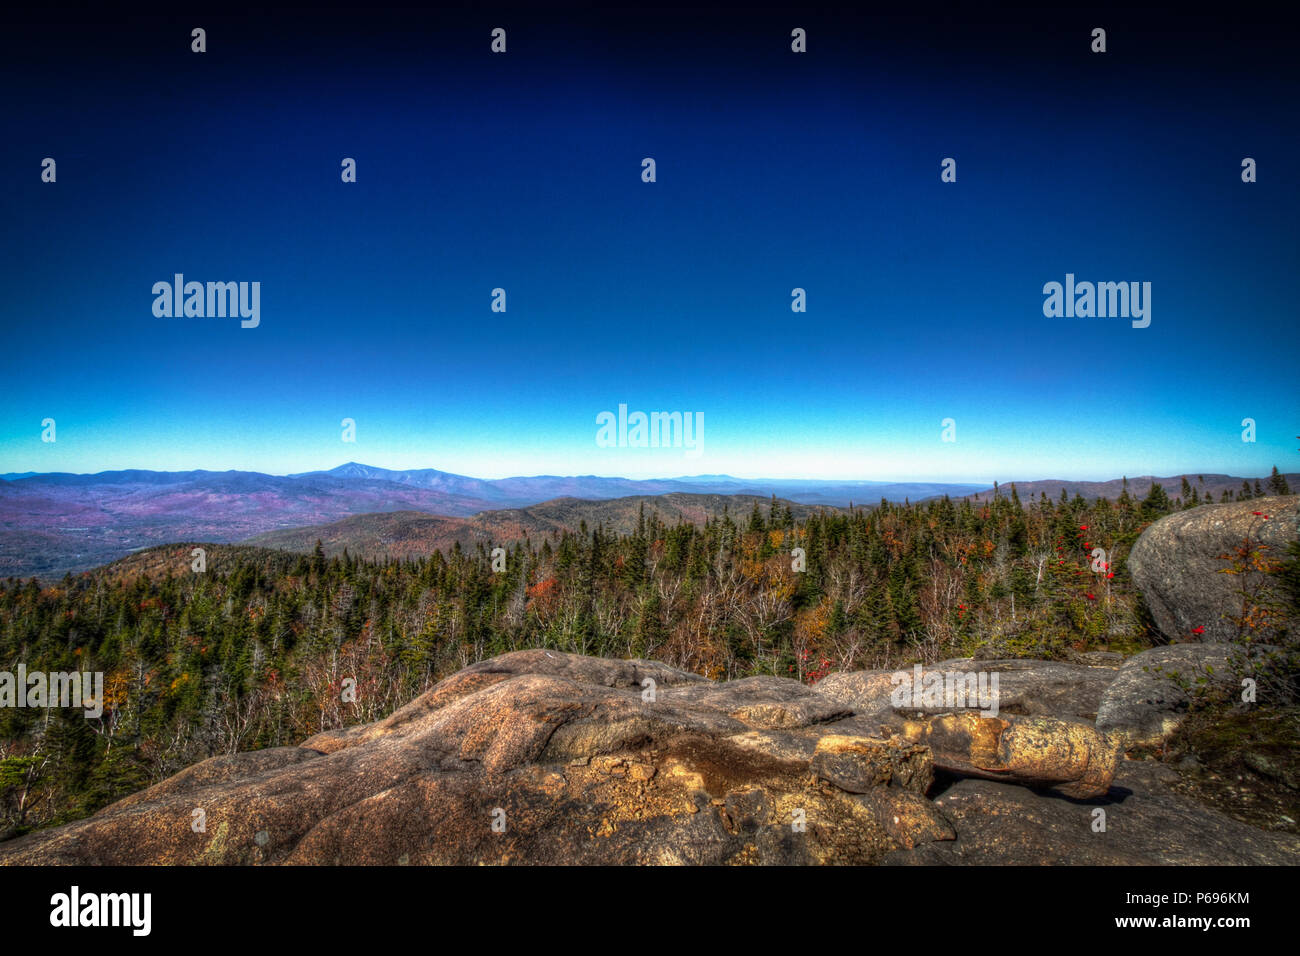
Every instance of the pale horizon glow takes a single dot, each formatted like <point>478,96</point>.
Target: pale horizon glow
<point>666,473</point>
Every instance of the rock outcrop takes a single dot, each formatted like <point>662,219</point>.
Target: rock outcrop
<point>1177,563</point>
<point>1034,688</point>
<point>1142,821</point>
<point>1073,757</point>
<point>1039,730</point>
<point>541,757</point>
<point>1150,695</point>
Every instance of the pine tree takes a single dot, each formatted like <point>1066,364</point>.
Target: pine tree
<point>1277,483</point>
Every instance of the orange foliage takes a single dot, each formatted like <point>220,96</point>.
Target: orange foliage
<point>542,595</point>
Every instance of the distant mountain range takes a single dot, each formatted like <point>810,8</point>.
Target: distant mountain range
<point>512,492</point>
<point>54,523</point>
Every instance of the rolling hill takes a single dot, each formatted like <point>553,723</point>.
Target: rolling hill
<point>409,534</point>
<point>54,523</point>
<point>1137,486</point>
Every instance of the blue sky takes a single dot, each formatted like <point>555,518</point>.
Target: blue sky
<point>775,171</point>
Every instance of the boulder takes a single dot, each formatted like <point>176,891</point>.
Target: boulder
<point>1149,698</point>
<point>1177,563</point>
<point>1034,688</point>
<point>1074,757</point>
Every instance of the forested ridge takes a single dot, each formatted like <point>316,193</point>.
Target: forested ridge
<point>257,650</point>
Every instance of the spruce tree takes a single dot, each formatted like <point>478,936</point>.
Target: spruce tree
<point>1156,503</point>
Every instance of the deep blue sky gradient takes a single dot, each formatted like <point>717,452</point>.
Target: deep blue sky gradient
<point>774,171</point>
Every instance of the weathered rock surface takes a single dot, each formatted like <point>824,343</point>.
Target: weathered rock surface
<point>1041,733</point>
<point>1149,697</point>
<point>1038,751</point>
<point>1145,822</point>
<point>565,754</point>
<point>1036,688</point>
<point>541,757</point>
<point>861,764</point>
<point>1176,562</point>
